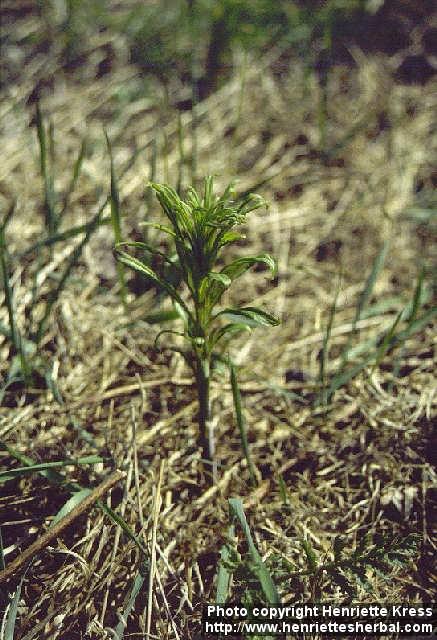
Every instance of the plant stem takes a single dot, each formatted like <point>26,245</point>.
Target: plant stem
<point>206,436</point>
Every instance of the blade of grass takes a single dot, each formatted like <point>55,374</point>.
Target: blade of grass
<point>241,422</point>
<point>12,611</point>
<point>55,293</point>
<point>44,466</point>
<point>116,221</point>
<point>129,602</point>
<point>365,297</point>
<point>45,147</point>
<point>13,332</point>
<point>324,355</point>
<point>2,553</point>
<point>224,574</point>
<point>385,345</point>
<point>74,487</point>
<point>75,177</point>
<point>71,503</point>
<point>257,565</point>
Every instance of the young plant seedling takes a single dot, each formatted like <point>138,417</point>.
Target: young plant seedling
<point>201,226</point>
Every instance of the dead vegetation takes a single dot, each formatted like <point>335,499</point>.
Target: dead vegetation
<point>360,463</point>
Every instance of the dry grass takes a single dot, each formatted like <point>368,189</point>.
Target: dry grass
<point>363,463</point>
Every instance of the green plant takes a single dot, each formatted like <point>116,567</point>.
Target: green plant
<point>200,228</point>
<point>316,575</point>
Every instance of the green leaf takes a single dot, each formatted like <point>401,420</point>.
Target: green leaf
<point>11,615</point>
<point>224,574</point>
<point>36,468</point>
<point>2,553</point>
<point>137,265</point>
<point>160,227</point>
<point>71,503</point>
<point>258,566</point>
<point>130,599</point>
<point>310,555</point>
<point>151,249</point>
<point>251,316</point>
<point>241,265</point>
<point>228,330</point>
<point>241,422</point>
<point>116,220</point>
<point>231,236</point>
<point>221,278</point>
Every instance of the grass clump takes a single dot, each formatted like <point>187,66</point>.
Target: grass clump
<point>201,226</point>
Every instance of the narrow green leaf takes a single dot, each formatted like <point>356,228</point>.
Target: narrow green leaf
<point>310,554</point>
<point>224,574</point>
<point>258,566</point>
<point>326,340</point>
<point>137,265</point>
<point>231,236</point>
<point>13,331</point>
<point>71,503</point>
<point>74,487</point>
<point>71,263</point>
<point>75,177</point>
<point>11,615</point>
<point>241,422</point>
<point>251,316</point>
<point>116,221</point>
<point>2,553</point>
<point>162,316</point>
<point>227,331</point>
<point>414,327</point>
<point>365,296</point>
<point>129,601</point>
<point>221,278</point>
<point>241,265</point>
<point>44,466</point>
<point>150,248</point>
<point>160,227</point>
<point>118,520</point>
<point>382,350</point>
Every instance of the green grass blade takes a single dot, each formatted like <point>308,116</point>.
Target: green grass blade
<point>326,340</point>
<point>118,520</point>
<point>129,602</point>
<point>54,294</point>
<point>116,221</point>
<point>2,553</point>
<point>11,615</point>
<point>417,298</point>
<point>224,574</point>
<point>8,217</point>
<point>257,565</point>
<point>181,163</point>
<point>69,233</point>
<point>13,331</point>
<point>46,148</point>
<point>44,466</point>
<point>365,297</point>
<point>137,265</point>
<point>241,422</point>
<point>370,282</point>
<point>283,491</point>
<point>74,487</point>
<point>251,316</point>
<point>414,327</point>
<point>74,178</point>
<point>385,344</point>
<point>71,503</point>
